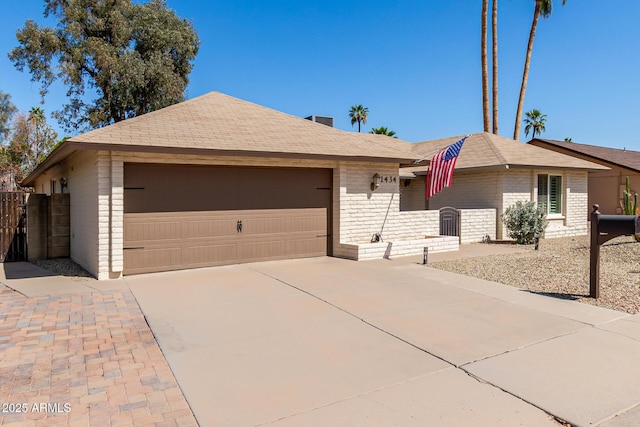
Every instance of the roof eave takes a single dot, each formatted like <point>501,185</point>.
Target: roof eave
<point>60,153</point>
<point>69,146</point>
<point>512,166</point>
<point>595,159</point>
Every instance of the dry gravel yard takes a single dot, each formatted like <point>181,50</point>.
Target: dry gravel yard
<point>561,269</point>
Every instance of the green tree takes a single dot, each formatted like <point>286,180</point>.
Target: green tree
<point>7,110</point>
<point>135,56</point>
<point>542,8</point>
<point>30,142</point>
<point>535,121</point>
<point>358,114</point>
<point>382,130</point>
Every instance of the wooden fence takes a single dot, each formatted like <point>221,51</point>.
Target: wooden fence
<point>13,226</point>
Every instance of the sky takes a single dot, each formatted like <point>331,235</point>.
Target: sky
<point>414,64</point>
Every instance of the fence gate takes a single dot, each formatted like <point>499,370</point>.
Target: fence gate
<point>13,226</point>
<point>449,222</point>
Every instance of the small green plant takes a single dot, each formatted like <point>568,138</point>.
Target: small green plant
<point>628,206</point>
<point>524,221</point>
<point>629,203</point>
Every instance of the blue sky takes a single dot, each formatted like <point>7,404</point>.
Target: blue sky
<point>414,64</point>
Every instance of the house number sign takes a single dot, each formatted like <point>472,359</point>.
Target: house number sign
<point>388,178</point>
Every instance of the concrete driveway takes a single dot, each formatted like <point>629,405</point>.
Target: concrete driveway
<point>326,341</point>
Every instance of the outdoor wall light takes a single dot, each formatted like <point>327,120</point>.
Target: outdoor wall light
<point>375,181</point>
<point>63,184</point>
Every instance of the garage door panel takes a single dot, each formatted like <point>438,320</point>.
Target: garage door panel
<point>206,228</point>
<point>146,260</point>
<point>272,222</point>
<point>311,246</point>
<point>142,230</point>
<point>182,216</point>
<point>269,249</point>
<point>208,254</point>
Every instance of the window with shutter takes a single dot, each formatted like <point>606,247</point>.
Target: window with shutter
<point>543,191</point>
<point>555,194</point>
<point>550,193</point>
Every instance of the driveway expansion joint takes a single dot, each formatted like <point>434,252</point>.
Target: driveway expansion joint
<point>362,395</point>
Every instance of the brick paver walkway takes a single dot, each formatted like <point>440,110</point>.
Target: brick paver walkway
<point>83,360</point>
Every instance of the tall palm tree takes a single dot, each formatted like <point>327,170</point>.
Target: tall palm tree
<point>535,121</point>
<point>485,67</point>
<point>36,114</point>
<point>358,114</point>
<point>542,7</point>
<point>494,66</point>
<point>382,130</point>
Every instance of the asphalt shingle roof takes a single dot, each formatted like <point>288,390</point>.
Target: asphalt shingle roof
<point>626,158</point>
<point>215,121</point>
<point>488,151</point>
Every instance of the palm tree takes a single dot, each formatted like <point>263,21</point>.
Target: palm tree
<point>382,130</point>
<point>543,7</point>
<point>485,67</point>
<point>494,53</point>
<point>358,114</point>
<point>535,121</point>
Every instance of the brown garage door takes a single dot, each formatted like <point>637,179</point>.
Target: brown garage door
<point>184,216</point>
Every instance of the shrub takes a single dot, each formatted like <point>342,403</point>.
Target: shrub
<point>524,221</point>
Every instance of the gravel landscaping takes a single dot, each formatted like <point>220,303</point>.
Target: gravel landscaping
<point>64,267</point>
<point>560,268</point>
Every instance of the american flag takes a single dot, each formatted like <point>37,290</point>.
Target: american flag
<point>441,168</point>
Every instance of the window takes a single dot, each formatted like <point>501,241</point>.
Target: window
<point>550,193</point>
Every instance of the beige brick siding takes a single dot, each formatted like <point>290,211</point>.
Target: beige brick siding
<point>399,248</point>
<point>416,224</point>
<point>475,224</point>
<point>104,213</point>
<point>501,189</point>
<point>363,211</point>
<point>117,216</point>
<point>516,186</point>
<point>470,191</point>
<point>412,196</point>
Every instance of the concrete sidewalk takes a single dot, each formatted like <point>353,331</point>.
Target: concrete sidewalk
<point>327,341</point>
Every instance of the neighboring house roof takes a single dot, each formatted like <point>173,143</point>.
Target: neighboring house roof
<point>604,155</point>
<point>219,124</point>
<point>486,151</point>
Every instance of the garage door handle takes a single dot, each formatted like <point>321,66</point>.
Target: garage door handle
<point>239,226</point>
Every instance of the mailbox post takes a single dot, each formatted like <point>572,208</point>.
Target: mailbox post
<point>603,229</point>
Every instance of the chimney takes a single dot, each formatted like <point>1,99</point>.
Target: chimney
<point>328,121</point>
